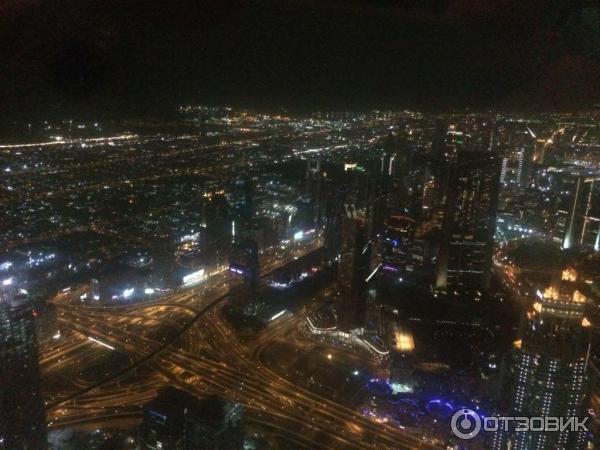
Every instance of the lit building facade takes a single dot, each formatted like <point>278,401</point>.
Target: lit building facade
<point>551,369</point>
<point>582,224</point>
<point>401,251</point>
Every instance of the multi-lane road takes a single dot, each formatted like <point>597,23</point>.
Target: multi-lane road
<point>203,355</point>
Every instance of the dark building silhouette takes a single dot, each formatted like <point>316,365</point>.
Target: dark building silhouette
<point>244,257</point>
<point>22,418</point>
<point>216,228</point>
<point>334,205</point>
<point>163,257</point>
<point>354,263</point>
<point>465,255</point>
<point>438,143</point>
<point>176,420</point>
<point>312,189</point>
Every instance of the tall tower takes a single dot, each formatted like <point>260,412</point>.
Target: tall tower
<point>525,165</point>
<point>244,258</point>
<point>313,188</point>
<point>465,255</point>
<point>22,419</point>
<point>163,256</point>
<point>95,288</point>
<point>438,142</point>
<point>550,371</point>
<point>353,269</point>
<point>581,227</point>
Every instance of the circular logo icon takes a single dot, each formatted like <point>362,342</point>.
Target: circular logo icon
<point>465,424</point>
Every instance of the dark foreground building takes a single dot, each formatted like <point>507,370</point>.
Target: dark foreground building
<point>22,419</point>
<point>176,420</point>
<point>465,257</point>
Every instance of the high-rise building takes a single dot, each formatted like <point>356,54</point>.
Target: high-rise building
<point>582,226</point>
<point>243,208</point>
<point>163,256</point>
<point>465,256</point>
<point>377,205</point>
<point>334,204</point>
<point>539,151</point>
<point>401,251</point>
<point>244,257</point>
<point>95,287</point>
<point>22,418</point>
<point>400,342</point>
<point>550,369</point>
<point>244,261</point>
<point>353,269</point>
<point>313,189</point>
<point>503,170</point>
<point>525,167</point>
<point>438,142</point>
<point>215,235</point>
<point>175,420</point>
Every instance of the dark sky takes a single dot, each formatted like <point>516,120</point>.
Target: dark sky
<point>131,57</point>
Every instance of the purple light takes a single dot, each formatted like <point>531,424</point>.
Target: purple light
<point>389,268</point>
<point>236,270</point>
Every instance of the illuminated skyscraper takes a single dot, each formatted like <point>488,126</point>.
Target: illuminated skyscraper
<point>550,372</point>
<point>22,419</point>
<point>583,220</point>
<point>465,255</point>
<point>525,167</point>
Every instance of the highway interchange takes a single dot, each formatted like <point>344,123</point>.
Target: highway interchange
<point>200,353</point>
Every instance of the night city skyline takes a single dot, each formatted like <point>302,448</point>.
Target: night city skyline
<point>361,225</point>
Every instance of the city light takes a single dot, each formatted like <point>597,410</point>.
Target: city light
<point>407,192</point>
<point>128,292</point>
<point>194,277</point>
<point>103,344</point>
<point>278,315</point>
